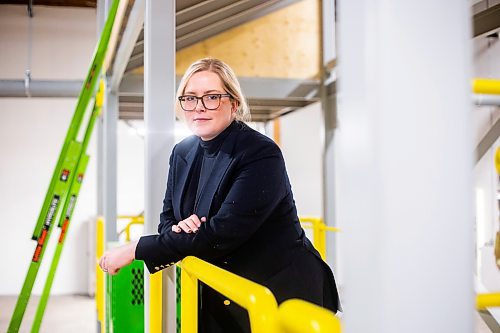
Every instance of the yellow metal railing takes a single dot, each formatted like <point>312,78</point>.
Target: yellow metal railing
<point>297,316</point>
<point>134,220</point>
<point>484,301</point>
<point>256,299</point>
<point>293,316</point>
<point>155,302</point>
<point>486,86</point>
<point>319,229</point>
<point>99,275</point>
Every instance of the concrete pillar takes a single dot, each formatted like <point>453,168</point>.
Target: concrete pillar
<point>404,165</point>
<point>159,118</point>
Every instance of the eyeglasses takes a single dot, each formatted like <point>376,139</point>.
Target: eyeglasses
<point>210,101</point>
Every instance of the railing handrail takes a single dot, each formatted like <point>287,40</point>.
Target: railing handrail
<point>256,299</point>
<point>133,220</point>
<point>484,301</point>
<point>319,232</point>
<point>298,316</point>
<point>486,86</point>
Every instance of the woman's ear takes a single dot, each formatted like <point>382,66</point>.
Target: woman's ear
<point>234,106</point>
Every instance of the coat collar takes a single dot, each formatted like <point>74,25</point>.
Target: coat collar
<point>184,166</point>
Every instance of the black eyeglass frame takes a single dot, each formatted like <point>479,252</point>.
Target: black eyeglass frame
<point>202,102</point>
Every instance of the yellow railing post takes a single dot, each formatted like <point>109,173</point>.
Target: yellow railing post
<point>189,303</point>
<point>319,233</point>
<point>155,302</point>
<point>256,299</point>
<point>99,275</point>
<point>134,220</point>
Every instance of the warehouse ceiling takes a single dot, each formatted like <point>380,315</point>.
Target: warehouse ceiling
<point>199,20</point>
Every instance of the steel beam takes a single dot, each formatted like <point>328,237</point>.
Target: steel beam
<point>487,20</point>
<point>159,120</point>
<point>199,21</point>
<point>129,37</point>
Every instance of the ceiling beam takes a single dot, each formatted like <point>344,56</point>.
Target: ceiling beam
<point>487,20</point>
<point>133,28</point>
<point>205,19</point>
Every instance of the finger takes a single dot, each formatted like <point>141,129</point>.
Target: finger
<point>195,220</point>
<point>203,219</point>
<point>191,224</point>
<point>184,226</point>
<point>113,271</point>
<point>176,229</point>
<point>102,263</point>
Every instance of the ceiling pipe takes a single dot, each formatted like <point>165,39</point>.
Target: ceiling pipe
<point>486,100</point>
<point>71,88</point>
<point>40,88</point>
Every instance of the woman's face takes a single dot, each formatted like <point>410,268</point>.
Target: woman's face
<point>207,124</point>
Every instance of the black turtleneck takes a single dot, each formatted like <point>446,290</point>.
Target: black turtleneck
<point>210,149</point>
<point>202,168</point>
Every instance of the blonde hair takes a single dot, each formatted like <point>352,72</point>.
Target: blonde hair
<point>229,81</point>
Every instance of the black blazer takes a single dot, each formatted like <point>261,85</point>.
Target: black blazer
<point>252,227</point>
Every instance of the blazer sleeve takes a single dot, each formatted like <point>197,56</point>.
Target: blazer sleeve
<point>259,184</point>
<point>167,218</point>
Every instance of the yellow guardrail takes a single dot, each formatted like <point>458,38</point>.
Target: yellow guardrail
<point>256,299</point>
<point>134,220</point>
<point>486,86</point>
<point>319,229</point>
<point>155,302</point>
<point>297,316</point>
<point>293,316</point>
<point>484,301</point>
<point>99,275</point>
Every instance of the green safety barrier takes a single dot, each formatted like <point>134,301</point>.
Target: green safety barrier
<point>63,191</point>
<point>125,299</point>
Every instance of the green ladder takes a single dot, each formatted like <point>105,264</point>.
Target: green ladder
<point>65,183</point>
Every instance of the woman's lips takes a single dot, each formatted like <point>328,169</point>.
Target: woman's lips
<point>201,119</point>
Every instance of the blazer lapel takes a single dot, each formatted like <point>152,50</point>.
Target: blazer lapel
<point>183,167</point>
<point>222,162</point>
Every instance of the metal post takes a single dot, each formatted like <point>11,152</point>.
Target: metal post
<point>101,17</point>
<point>328,106</point>
<point>404,171</point>
<point>159,118</point>
<point>110,122</point>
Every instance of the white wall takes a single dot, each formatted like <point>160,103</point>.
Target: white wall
<point>301,144</point>
<point>31,136</point>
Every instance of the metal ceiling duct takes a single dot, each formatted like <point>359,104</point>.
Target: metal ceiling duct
<point>40,88</point>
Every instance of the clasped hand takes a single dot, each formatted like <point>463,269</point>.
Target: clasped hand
<point>116,258</point>
<point>189,225</point>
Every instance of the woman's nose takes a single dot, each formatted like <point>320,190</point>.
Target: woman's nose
<point>199,106</point>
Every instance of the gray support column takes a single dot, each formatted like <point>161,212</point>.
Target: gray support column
<point>404,171</point>
<point>110,121</point>
<point>99,126</point>
<point>328,105</point>
<point>159,118</point>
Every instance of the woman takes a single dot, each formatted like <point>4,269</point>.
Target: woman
<point>229,202</point>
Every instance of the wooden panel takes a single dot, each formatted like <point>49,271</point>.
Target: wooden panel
<point>283,44</point>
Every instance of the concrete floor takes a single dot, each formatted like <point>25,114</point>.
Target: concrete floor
<point>64,314</point>
<point>76,314</point>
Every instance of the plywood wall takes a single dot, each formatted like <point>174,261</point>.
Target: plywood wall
<point>283,44</point>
